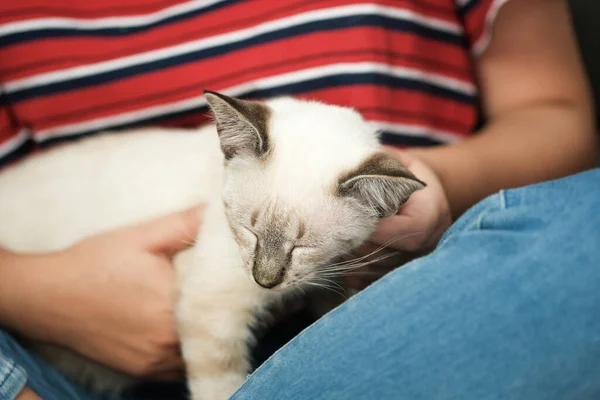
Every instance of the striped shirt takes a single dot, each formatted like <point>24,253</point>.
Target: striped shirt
<point>69,69</point>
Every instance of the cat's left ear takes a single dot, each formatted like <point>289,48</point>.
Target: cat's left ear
<point>380,183</point>
<point>241,125</point>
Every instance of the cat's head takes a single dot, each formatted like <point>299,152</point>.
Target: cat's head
<point>304,184</point>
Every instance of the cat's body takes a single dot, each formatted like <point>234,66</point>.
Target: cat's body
<point>290,186</point>
<point>57,198</point>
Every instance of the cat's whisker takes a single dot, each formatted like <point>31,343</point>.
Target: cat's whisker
<point>380,248</point>
<point>332,285</point>
<point>331,282</point>
<point>356,265</point>
<point>348,269</point>
<point>362,273</point>
<point>324,286</point>
<point>297,286</point>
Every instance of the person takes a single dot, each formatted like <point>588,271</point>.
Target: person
<point>486,100</point>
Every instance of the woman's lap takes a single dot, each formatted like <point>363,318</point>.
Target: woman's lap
<point>41,377</point>
<point>506,307</point>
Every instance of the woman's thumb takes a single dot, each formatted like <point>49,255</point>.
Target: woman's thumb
<point>173,232</point>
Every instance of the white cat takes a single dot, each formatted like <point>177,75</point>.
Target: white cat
<point>290,186</point>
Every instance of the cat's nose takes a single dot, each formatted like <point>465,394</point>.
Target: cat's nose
<point>267,275</point>
<point>267,284</point>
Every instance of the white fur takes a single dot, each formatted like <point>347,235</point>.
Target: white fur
<point>52,200</point>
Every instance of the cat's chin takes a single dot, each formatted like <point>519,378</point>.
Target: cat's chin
<point>280,288</point>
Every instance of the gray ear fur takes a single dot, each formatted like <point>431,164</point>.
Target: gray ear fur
<point>241,125</point>
<point>381,183</point>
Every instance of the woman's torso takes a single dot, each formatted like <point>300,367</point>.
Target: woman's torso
<point>71,68</point>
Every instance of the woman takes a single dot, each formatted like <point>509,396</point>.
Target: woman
<point>475,96</point>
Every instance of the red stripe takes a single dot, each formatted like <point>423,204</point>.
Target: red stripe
<point>385,104</point>
<point>32,9</point>
<point>400,106</point>
<point>475,20</point>
<point>28,9</point>
<point>7,126</point>
<point>36,57</point>
<point>310,51</point>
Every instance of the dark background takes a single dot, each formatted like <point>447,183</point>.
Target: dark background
<point>586,19</point>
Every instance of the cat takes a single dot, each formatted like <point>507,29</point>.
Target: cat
<point>290,186</point>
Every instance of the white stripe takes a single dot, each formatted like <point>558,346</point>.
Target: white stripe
<point>485,39</point>
<point>13,143</point>
<point>111,22</point>
<point>219,40</point>
<point>119,119</point>
<point>264,83</point>
<point>463,87</point>
<point>418,131</point>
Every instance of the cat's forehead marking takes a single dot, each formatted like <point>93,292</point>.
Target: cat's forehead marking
<point>274,222</point>
<point>272,257</point>
<point>301,229</point>
<point>254,217</point>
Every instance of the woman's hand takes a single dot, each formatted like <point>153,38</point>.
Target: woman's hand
<point>423,219</point>
<point>109,297</point>
<point>413,231</point>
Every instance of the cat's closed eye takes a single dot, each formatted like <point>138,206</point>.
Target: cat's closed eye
<point>246,237</point>
<point>300,251</point>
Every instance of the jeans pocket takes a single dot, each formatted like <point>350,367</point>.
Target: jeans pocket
<point>471,219</point>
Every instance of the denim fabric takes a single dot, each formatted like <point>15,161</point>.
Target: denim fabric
<point>41,377</point>
<point>12,378</point>
<point>507,307</point>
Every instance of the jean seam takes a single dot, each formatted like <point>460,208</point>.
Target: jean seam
<point>475,224</point>
<point>478,221</point>
<point>8,373</point>
<point>502,195</point>
<point>13,381</point>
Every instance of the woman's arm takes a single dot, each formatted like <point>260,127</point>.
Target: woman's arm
<point>108,297</point>
<point>540,126</point>
<point>23,278</point>
<point>535,95</point>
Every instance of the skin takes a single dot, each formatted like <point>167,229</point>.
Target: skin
<point>28,394</point>
<point>540,126</point>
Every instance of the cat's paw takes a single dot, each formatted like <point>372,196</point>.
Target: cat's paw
<point>218,388</point>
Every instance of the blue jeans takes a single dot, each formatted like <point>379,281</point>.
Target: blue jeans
<point>506,307</point>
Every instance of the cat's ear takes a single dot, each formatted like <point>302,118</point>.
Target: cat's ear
<point>241,124</point>
<point>381,183</point>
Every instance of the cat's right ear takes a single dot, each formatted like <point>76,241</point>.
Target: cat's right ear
<point>380,183</point>
<point>242,125</point>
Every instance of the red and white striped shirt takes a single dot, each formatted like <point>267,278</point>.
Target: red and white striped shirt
<point>72,68</point>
